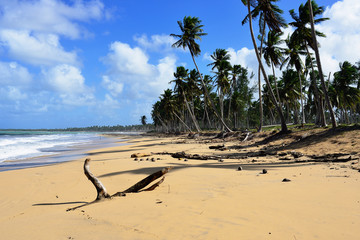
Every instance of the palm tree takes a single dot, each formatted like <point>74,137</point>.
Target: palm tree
<point>181,75</point>
<point>345,96</point>
<point>273,54</point>
<point>317,54</point>
<point>270,15</point>
<point>289,91</point>
<point>303,36</point>
<point>221,63</point>
<point>191,30</point>
<point>236,71</point>
<point>273,24</point>
<point>293,59</point>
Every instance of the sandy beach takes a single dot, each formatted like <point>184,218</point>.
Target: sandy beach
<point>199,199</point>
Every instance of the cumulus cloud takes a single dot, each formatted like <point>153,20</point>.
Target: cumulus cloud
<point>69,83</point>
<point>155,42</point>
<point>36,49</point>
<point>49,16</point>
<point>342,34</point>
<point>13,74</point>
<point>133,76</point>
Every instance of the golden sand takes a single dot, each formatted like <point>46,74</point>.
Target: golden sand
<point>199,199</point>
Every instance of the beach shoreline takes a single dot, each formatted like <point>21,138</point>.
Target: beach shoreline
<point>202,199</point>
<point>58,154</point>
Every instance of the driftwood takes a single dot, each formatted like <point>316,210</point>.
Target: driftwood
<point>217,146</point>
<point>193,156</point>
<point>188,156</point>
<point>135,155</point>
<point>137,187</point>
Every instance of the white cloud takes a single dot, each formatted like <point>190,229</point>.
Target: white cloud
<point>131,74</point>
<point>69,83</point>
<point>13,74</point>
<point>156,42</point>
<point>36,49</point>
<point>342,34</point>
<point>126,60</point>
<point>49,16</point>
<point>115,88</point>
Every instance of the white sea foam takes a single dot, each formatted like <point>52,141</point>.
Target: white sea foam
<point>21,146</point>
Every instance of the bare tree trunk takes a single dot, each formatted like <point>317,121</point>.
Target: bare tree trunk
<point>332,115</point>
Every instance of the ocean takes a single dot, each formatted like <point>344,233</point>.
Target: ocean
<point>24,149</point>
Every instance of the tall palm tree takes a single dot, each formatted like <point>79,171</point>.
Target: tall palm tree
<point>191,30</point>
<point>317,54</point>
<point>273,24</point>
<point>181,75</point>
<point>273,54</point>
<point>289,91</point>
<point>293,59</point>
<point>270,15</point>
<point>235,72</point>
<point>303,36</point>
<point>222,66</point>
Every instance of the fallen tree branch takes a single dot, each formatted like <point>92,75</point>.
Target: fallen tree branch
<point>146,181</point>
<point>100,188</point>
<point>137,187</point>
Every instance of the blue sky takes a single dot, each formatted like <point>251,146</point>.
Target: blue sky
<point>103,62</point>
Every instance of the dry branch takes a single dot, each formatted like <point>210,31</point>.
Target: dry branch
<point>138,187</point>
<point>100,188</point>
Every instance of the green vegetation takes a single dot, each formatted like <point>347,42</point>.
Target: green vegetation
<point>224,100</point>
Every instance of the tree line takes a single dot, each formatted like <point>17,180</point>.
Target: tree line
<point>225,101</point>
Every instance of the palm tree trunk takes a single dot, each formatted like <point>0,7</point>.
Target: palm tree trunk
<point>261,110</point>
<point>318,101</point>
<point>332,115</point>
<point>301,101</point>
<point>182,121</point>
<point>276,88</point>
<point>207,94</point>
<point>283,123</point>
<point>191,114</point>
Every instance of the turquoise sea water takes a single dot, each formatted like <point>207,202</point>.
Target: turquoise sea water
<point>23,149</point>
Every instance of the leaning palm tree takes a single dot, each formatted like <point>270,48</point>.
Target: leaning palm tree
<point>317,54</point>
<point>191,30</point>
<point>273,24</point>
<point>303,36</point>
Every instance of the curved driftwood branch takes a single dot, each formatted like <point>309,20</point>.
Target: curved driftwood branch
<point>137,187</point>
<point>100,188</point>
